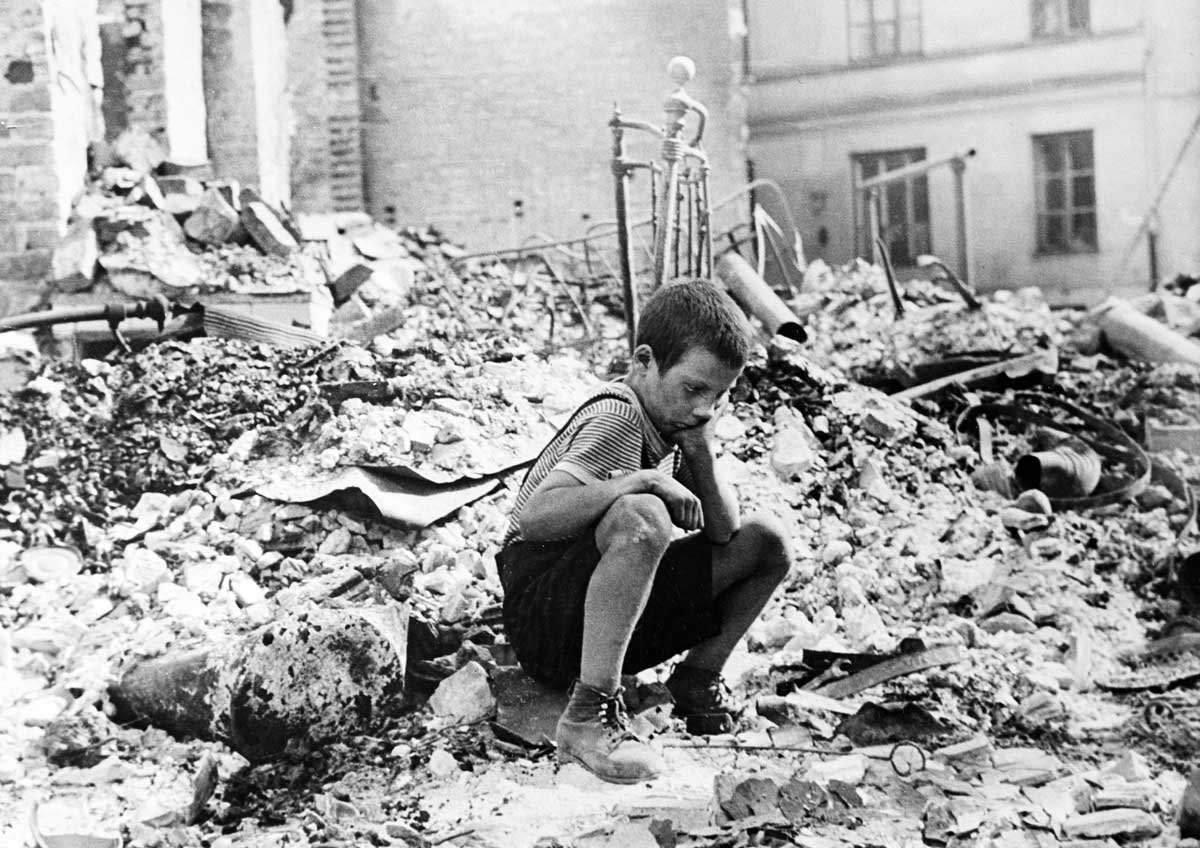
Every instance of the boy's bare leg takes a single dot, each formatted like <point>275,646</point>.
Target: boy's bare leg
<point>746,572</point>
<point>632,537</point>
<point>592,731</point>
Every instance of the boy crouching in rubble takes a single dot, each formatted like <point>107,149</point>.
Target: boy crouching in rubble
<point>594,584</point>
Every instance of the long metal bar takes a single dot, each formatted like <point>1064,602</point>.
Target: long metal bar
<point>621,175</point>
<point>960,218</point>
<point>913,170</point>
<point>666,221</point>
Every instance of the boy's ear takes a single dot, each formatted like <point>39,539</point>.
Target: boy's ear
<point>643,354</point>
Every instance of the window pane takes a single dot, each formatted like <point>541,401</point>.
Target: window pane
<point>860,11</point>
<point>1081,151</point>
<point>920,195</point>
<point>1083,231</point>
<point>910,8</point>
<point>884,10</point>
<point>1083,192</point>
<point>1055,195</point>
<point>921,243</point>
<point>1079,15</point>
<point>869,166</point>
<point>1047,17</point>
<point>896,200</point>
<point>1050,154</point>
<point>1039,17</point>
<point>1053,233</point>
<point>885,39</point>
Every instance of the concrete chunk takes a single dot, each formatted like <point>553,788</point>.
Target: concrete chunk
<point>214,221</point>
<point>73,266</point>
<point>267,230</point>
<point>1125,823</point>
<point>464,696</point>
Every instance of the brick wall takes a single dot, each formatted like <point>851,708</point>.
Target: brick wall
<point>324,93</point>
<point>245,67</point>
<point>471,108</point>
<point>49,109</point>
<point>144,72</point>
<point>152,73</point>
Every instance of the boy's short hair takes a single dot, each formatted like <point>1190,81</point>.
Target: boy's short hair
<point>693,313</point>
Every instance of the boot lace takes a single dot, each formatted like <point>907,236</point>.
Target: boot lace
<point>614,719</point>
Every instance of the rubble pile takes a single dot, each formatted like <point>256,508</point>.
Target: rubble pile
<point>197,494</point>
<point>98,434</point>
<point>853,327</point>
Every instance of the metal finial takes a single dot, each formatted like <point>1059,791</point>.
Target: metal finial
<point>681,70</point>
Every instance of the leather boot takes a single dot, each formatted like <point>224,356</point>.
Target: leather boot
<point>698,691</point>
<point>594,732</point>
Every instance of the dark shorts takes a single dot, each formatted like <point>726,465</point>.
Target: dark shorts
<point>545,585</point>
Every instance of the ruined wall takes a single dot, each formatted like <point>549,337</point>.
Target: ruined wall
<point>490,119</point>
<point>49,87</point>
<point>326,143</point>
<point>152,73</point>
<point>248,115</point>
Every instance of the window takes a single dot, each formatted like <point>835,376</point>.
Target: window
<point>1061,17</point>
<point>903,206</point>
<point>881,29</point>
<point>1065,174</point>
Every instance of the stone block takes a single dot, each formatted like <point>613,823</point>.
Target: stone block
<point>73,265</point>
<point>214,221</point>
<point>180,184</point>
<point>267,231</point>
<point>465,696</point>
<point>139,150</point>
<point>1120,823</point>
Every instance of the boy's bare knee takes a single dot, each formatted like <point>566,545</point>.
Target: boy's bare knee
<point>638,521</point>
<point>771,540</point>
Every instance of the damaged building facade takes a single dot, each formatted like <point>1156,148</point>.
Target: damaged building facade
<point>1078,112</point>
<point>489,122</point>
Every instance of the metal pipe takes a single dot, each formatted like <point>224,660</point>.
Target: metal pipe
<point>754,296</point>
<point>621,175</point>
<point>958,166</point>
<point>913,170</point>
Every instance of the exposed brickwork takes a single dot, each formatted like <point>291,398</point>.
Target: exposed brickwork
<point>244,66</point>
<point>144,78</point>
<point>470,107</point>
<point>327,143</point>
<point>43,136</point>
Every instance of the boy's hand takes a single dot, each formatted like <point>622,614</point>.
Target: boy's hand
<point>695,440</point>
<point>682,505</point>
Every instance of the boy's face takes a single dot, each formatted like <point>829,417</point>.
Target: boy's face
<point>688,393</point>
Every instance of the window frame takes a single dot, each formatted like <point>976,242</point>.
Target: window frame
<point>1070,209</point>
<point>898,20</point>
<point>916,247</point>
<point>1063,9</point>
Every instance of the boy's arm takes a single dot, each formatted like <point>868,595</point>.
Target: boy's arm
<point>718,499</point>
<point>564,506</point>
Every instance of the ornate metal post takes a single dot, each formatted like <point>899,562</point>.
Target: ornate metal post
<point>621,170</point>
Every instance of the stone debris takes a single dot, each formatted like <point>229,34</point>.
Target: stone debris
<point>146,466</point>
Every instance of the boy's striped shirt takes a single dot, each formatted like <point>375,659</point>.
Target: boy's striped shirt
<point>609,435</point>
